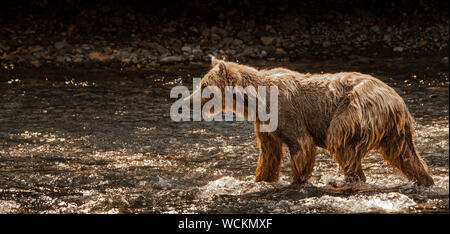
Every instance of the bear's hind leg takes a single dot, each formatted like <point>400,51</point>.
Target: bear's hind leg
<point>270,156</point>
<point>303,156</point>
<point>349,161</point>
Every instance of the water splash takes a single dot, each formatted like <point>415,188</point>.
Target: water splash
<point>381,203</point>
<point>228,185</point>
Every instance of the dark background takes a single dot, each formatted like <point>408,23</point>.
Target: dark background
<point>232,29</point>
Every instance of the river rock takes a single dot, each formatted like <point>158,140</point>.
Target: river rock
<point>98,56</point>
<point>193,29</point>
<point>267,40</point>
<point>326,44</point>
<point>375,28</point>
<point>186,49</point>
<point>60,44</point>
<point>263,54</point>
<point>36,63</point>
<point>398,49</point>
<point>4,47</point>
<point>215,36</point>
<point>280,52</point>
<point>227,40</point>
<point>171,59</point>
<point>244,36</point>
<point>162,50</point>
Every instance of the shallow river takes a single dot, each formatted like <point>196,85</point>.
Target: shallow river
<point>102,141</point>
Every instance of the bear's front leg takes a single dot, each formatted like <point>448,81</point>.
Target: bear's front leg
<point>303,157</point>
<point>270,156</point>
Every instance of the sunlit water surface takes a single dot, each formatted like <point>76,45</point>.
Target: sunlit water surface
<point>102,141</point>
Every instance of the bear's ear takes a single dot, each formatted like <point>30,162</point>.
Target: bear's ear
<point>223,69</point>
<point>214,61</point>
<point>224,72</point>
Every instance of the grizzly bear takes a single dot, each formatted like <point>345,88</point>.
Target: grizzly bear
<point>348,114</point>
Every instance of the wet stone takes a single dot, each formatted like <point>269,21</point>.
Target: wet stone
<point>171,59</point>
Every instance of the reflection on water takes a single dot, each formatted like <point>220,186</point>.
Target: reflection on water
<point>103,142</point>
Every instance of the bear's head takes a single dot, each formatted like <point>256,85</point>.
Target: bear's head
<point>229,74</point>
<point>230,87</point>
<point>220,78</point>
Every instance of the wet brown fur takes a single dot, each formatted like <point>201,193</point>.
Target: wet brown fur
<point>348,114</point>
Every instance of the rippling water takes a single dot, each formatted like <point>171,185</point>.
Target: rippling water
<point>102,141</point>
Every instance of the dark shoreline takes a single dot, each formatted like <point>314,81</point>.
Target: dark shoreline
<point>142,33</point>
